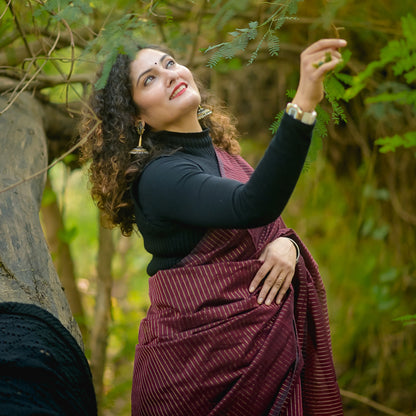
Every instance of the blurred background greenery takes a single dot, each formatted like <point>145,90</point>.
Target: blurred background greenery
<point>354,206</point>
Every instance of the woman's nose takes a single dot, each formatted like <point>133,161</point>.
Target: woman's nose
<point>171,76</point>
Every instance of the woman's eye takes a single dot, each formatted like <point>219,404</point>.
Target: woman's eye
<point>148,80</point>
<point>170,63</point>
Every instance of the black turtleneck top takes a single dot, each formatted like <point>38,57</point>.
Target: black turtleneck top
<point>178,197</point>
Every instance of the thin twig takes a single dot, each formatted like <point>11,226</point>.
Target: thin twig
<point>397,205</point>
<point>19,28</point>
<point>198,25</point>
<point>71,69</point>
<point>15,97</point>
<point>5,10</point>
<point>42,82</point>
<point>72,44</point>
<point>371,403</point>
<point>55,162</point>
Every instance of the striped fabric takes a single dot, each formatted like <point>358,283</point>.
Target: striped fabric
<point>207,348</point>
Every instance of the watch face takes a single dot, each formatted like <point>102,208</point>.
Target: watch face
<point>292,112</point>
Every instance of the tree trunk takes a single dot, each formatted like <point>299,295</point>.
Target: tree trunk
<point>27,273</point>
<point>61,254</point>
<point>99,331</point>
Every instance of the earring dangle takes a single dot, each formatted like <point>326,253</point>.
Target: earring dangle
<point>139,149</point>
<point>203,112</point>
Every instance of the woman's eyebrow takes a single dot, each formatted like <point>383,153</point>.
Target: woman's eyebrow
<point>148,70</point>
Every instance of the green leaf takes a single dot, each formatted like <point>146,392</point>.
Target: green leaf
<point>106,71</point>
<point>48,197</point>
<point>279,22</point>
<point>408,27</point>
<point>388,97</point>
<point>273,43</point>
<point>277,120</point>
<point>293,6</point>
<point>334,88</point>
<point>406,319</point>
<point>390,144</point>
<point>389,276</point>
<point>67,235</point>
<point>359,81</point>
<point>334,91</point>
<point>411,76</point>
<point>254,54</point>
<point>242,36</point>
<point>225,67</point>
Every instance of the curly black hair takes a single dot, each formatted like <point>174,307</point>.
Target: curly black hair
<point>109,128</point>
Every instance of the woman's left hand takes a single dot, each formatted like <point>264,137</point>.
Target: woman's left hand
<point>315,62</point>
<point>277,270</point>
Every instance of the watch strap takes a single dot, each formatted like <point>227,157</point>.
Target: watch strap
<point>297,113</point>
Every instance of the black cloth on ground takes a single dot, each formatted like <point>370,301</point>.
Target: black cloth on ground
<point>43,371</point>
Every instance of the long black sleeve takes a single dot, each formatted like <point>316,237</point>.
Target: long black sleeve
<point>177,188</point>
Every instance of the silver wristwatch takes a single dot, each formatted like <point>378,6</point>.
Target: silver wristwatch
<point>296,112</point>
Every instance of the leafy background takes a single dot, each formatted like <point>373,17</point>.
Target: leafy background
<point>355,204</point>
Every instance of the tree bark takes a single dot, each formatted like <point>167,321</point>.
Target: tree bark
<point>102,315</point>
<point>27,273</point>
<point>62,258</point>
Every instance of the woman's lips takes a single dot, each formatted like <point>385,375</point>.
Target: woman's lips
<point>178,90</point>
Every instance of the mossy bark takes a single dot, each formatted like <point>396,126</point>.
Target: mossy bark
<point>27,273</point>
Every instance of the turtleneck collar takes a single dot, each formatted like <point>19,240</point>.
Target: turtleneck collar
<point>197,140</point>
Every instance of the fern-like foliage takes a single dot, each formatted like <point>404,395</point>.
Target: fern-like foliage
<point>407,319</point>
<point>120,36</point>
<point>227,10</point>
<point>400,56</point>
<point>228,50</point>
<point>323,118</point>
<point>335,88</point>
<point>73,12</point>
<point>263,32</point>
<point>391,143</point>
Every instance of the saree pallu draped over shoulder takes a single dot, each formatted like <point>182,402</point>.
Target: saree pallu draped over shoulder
<point>207,347</point>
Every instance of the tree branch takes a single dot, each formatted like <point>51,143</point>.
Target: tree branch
<point>62,257</point>
<point>17,91</point>
<point>16,55</point>
<point>51,165</point>
<point>19,29</point>
<point>5,10</point>
<point>102,313</point>
<point>9,80</point>
<point>197,30</point>
<point>19,54</point>
<point>371,403</point>
<point>8,39</point>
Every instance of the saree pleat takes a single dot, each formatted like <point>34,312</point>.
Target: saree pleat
<point>206,347</point>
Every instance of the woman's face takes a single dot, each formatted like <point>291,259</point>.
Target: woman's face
<point>165,92</point>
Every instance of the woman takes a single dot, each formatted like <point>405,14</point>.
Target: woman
<point>237,323</point>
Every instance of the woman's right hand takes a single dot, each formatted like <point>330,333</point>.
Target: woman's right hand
<point>277,271</point>
<point>315,62</point>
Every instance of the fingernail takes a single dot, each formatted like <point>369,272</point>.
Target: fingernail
<point>251,289</point>
<point>260,300</point>
<point>268,301</point>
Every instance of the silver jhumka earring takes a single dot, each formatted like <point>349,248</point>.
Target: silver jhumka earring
<point>139,149</point>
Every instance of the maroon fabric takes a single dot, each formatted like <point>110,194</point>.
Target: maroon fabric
<point>207,348</point>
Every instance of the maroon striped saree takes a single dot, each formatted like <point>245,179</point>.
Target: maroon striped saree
<point>207,347</point>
